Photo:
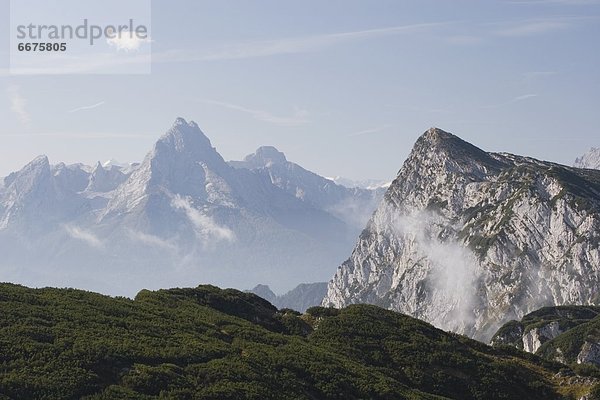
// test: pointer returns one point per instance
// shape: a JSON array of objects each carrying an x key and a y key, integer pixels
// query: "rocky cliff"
[{"x": 468, "y": 240}]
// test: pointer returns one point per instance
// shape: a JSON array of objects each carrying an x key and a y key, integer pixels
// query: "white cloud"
[
  {"x": 151, "y": 240},
  {"x": 18, "y": 104},
  {"x": 449, "y": 267},
  {"x": 523, "y": 97},
  {"x": 127, "y": 42},
  {"x": 91, "y": 107},
  {"x": 83, "y": 235},
  {"x": 299, "y": 117},
  {"x": 206, "y": 229}
]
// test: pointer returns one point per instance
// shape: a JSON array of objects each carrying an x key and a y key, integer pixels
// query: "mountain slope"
[
  {"x": 468, "y": 240},
  {"x": 352, "y": 205},
  {"x": 207, "y": 343}
]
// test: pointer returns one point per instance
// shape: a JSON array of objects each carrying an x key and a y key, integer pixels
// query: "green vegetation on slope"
[
  {"x": 207, "y": 343},
  {"x": 567, "y": 318}
]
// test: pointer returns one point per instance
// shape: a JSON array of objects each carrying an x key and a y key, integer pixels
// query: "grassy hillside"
[{"x": 208, "y": 343}]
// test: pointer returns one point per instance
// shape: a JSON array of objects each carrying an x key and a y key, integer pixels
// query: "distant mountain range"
[
  {"x": 182, "y": 216},
  {"x": 468, "y": 240},
  {"x": 300, "y": 298}
]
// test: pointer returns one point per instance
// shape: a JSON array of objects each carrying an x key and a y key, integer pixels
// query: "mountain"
[
  {"x": 106, "y": 178},
  {"x": 183, "y": 215},
  {"x": 208, "y": 343},
  {"x": 590, "y": 160},
  {"x": 302, "y": 297},
  {"x": 370, "y": 184},
  {"x": 40, "y": 194},
  {"x": 352, "y": 205},
  {"x": 468, "y": 240}
]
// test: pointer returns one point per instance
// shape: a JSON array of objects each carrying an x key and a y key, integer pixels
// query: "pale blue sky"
[{"x": 342, "y": 87}]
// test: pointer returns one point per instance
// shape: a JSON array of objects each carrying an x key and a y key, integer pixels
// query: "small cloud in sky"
[
  {"x": 523, "y": 97},
  {"x": 90, "y": 107},
  {"x": 83, "y": 235},
  {"x": 513, "y": 100},
  {"x": 299, "y": 117},
  {"x": 127, "y": 42},
  {"x": 371, "y": 131},
  {"x": 18, "y": 104}
]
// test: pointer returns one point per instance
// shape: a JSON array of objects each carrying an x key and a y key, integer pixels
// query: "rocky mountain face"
[
  {"x": 590, "y": 160},
  {"x": 468, "y": 240},
  {"x": 182, "y": 216},
  {"x": 353, "y": 205},
  {"x": 300, "y": 298},
  {"x": 567, "y": 334}
]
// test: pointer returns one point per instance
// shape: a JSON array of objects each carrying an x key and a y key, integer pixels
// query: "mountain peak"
[
  {"x": 183, "y": 134},
  {"x": 265, "y": 156},
  {"x": 437, "y": 141},
  {"x": 39, "y": 166},
  {"x": 41, "y": 160},
  {"x": 437, "y": 137}
]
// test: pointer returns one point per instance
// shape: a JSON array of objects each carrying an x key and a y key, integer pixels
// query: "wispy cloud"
[
  {"x": 151, "y": 240},
  {"x": 90, "y": 107},
  {"x": 310, "y": 43},
  {"x": 83, "y": 235},
  {"x": 516, "y": 99},
  {"x": 299, "y": 117},
  {"x": 206, "y": 228},
  {"x": 371, "y": 131},
  {"x": 18, "y": 104},
  {"x": 534, "y": 27}
]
